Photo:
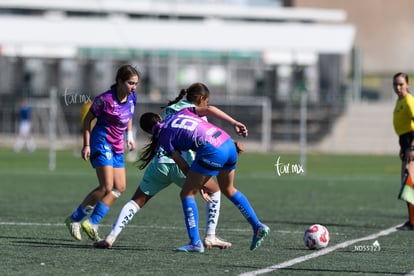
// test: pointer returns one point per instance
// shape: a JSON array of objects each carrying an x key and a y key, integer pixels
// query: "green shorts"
[{"x": 158, "y": 176}]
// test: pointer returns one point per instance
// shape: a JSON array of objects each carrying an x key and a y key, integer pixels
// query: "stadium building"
[{"x": 257, "y": 57}]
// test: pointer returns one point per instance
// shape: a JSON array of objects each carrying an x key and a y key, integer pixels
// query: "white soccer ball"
[{"x": 316, "y": 237}]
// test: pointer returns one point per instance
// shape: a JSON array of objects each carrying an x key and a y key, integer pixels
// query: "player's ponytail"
[
  {"x": 150, "y": 123},
  {"x": 177, "y": 99},
  {"x": 193, "y": 94}
]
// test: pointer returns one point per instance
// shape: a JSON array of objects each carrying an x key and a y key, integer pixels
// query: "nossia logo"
[{"x": 375, "y": 247}]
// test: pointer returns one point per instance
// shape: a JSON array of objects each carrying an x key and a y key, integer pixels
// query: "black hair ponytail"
[
  {"x": 147, "y": 121},
  {"x": 149, "y": 152},
  {"x": 180, "y": 96}
]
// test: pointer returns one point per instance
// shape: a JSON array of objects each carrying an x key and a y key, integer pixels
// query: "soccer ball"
[{"x": 316, "y": 237}]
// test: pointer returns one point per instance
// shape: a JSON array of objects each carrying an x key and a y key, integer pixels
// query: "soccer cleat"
[
  {"x": 198, "y": 248},
  {"x": 102, "y": 244},
  {"x": 105, "y": 243},
  {"x": 406, "y": 226},
  {"x": 74, "y": 228},
  {"x": 211, "y": 241},
  {"x": 259, "y": 234},
  {"x": 90, "y": 229}
]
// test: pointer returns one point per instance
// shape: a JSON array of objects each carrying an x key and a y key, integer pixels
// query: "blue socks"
[
  {"x": 99, "y": 212},
  {"x": 79, "y": 214},
  {"x": 242, "y": 203},
  {"x": 191, "y": 218},
  {"x": 191, "y": 214}
]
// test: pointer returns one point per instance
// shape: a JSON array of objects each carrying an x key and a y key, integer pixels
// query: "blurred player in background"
[
  {"x": 404, "y": 127},
  {"x": 216, "y": 155},
  {"x": 162, "y": 172},
  {"x": 83, "y": 111},
  {"x": 24, "y": 136},
  {"x": 104, "y": 147}
]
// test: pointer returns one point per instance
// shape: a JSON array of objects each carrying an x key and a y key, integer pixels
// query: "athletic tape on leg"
[{"x": 116, "y": 193}]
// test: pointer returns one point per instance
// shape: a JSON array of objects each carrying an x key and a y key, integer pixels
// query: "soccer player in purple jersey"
[
  {"x": 104, "y": 147},
  {"x": 216, "y": 155}
]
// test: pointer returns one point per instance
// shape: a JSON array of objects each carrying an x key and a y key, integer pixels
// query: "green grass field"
[{"x": 354, "y": 196}]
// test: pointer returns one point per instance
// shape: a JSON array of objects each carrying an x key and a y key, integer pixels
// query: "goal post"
[{"x": 53, "y": 104}]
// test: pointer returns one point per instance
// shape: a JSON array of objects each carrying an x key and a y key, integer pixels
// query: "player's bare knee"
[
  {"x": 186, "y": 193},
  {"x": 229, "y": 191},
  {"x": 101, "y": 191}
]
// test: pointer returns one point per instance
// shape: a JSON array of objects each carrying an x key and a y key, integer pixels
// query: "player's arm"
[
  {"x": 180, "y": 161},
  {"x": 410, "y": 104},
  {"x": 30, "y": 115},
  {"x": 239, "y": 146},
  {"x": 130, "y": 136},
  {"x": 86, "y": 150},
  {"x": 239, "y": 127}
]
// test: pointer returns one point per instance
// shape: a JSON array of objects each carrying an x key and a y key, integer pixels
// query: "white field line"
[
  {"x": 319, "y": 253},
  {"x": 247, "y": 229},
  {"x": 10, "y": 223},
  {"x": 411, "y": 273}
]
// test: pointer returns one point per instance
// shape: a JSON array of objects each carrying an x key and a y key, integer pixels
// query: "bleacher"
[
  {"x": 284, "y": 122},
  {"x": 365, "y": 127}
]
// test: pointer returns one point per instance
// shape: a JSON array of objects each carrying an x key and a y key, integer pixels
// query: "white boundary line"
[
  {"x": 319, "y": 253},
  {"x": 10, "y": 223}
]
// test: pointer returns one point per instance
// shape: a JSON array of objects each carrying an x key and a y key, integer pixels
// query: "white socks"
[
  {"x": 213, "y": 213},
  {"x": 124, "y": 217},
  {"x": 131, "y": 208}
]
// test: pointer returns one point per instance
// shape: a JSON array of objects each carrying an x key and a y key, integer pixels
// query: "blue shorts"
[
  {"x": 158, "y": 176},
  {"x": 210, "y": 160},
  {"x": 103, "y": 155}
]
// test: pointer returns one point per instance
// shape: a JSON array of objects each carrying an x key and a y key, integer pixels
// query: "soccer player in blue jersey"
[
  {"x": 104, "y": 147},
  {"x": 216, "y": 155},
  {"x": 25, "y": 128},
  {"x": 162, "y": 172}
]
